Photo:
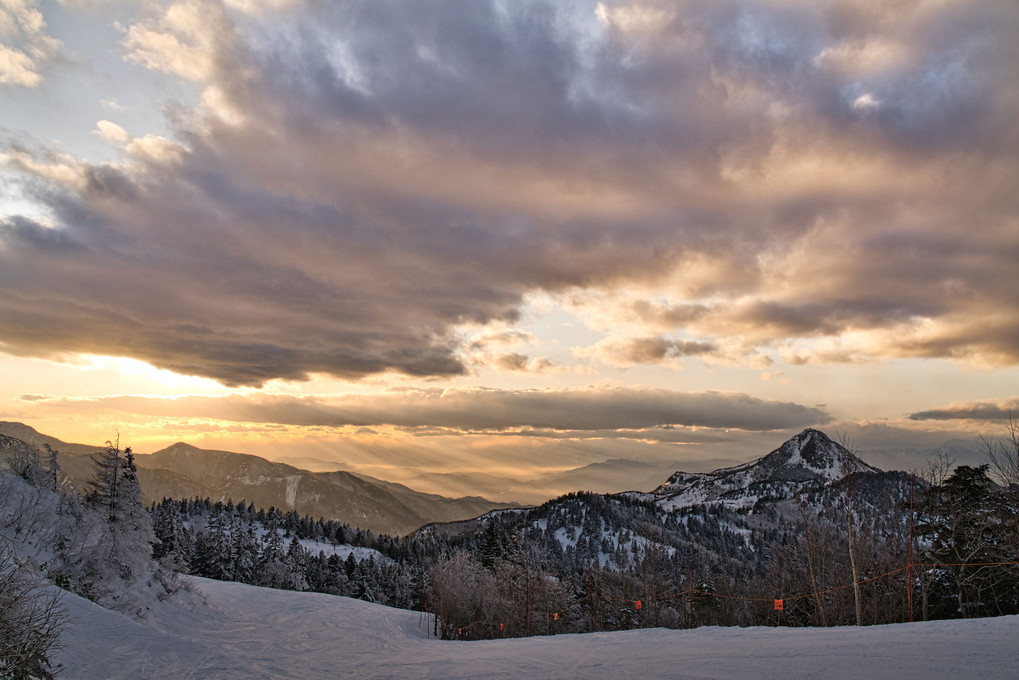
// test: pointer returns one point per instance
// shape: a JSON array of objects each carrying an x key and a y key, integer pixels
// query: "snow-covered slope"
[
  {"x": 250, "y": 633},
  {"x": 809, "y": 460}
]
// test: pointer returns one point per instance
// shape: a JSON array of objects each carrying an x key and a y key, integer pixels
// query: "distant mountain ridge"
[
  {"x": 809, "y": 467},
  {"x": 184, "y": 471}
]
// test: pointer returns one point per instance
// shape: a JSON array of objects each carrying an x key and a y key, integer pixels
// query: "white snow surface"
[
  {"x": 342, "y": 550},
  {"x": 248, "y": 632},
  {"x": 360, "y": 553}
]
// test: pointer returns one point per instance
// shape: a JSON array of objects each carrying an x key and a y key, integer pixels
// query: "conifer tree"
[
  {"x": 53, "y": 468},
  {"x": 105, "y": 484},
  {"x": 125, "y": 543}
]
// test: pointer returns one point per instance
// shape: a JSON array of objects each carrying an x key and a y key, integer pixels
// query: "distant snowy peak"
[
  {"x": 810, "y": 458},
  {"x": 814, "y": 454}
]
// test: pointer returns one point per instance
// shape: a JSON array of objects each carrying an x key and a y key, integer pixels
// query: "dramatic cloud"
[
  {"x": 487, "y": 410},
  {"x": 25, "y": 46},
  {"x": 997, "y": 409},
  {"x": 362, "y": 180},
  {"x": 645, "y": 350}
]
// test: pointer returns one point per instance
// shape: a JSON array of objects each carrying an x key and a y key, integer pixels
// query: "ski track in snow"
[{"x": 246, "y": 632}]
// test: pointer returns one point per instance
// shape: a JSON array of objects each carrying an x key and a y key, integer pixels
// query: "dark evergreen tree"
[{"x": 105, "y": 484}]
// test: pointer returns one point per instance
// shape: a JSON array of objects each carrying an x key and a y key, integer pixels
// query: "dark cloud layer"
[
  {"x": 487, "y": 410},
  {"x": 1003, "y": 409},
  {"x": 372, "y": 174}
]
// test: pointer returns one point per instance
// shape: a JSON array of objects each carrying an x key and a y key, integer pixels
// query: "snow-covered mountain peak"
[
  {"x": 812, "y": 455},
  {"x": 810, "y": 458}
]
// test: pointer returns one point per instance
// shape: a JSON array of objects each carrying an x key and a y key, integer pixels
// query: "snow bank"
[{"x": 247, "y": 632}]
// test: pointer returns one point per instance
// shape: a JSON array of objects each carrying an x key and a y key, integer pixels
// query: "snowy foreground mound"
[{"x": 248, "y": 632}]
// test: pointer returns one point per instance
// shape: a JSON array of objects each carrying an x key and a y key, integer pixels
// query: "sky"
[{"x": 506, "y": 238}]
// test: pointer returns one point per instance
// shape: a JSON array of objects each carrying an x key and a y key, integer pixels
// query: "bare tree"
[
  {"x": 652, "y": 576},
  {"x": 1003, "y": 455},
  {"x": 852, "y": 564},
  {"x": 463, "y": 595},
  {"x": 31, "y": 620},
  {"x": 928, "y": 513},
  {"x": 21, "y": 459},
  {"x": 848, "y": 444},
  {"x": 815, "y": 558}
]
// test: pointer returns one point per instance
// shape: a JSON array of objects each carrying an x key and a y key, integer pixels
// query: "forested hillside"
[
  {"x": 834, "y": 547},
  {"x": 183, "y": 472}
]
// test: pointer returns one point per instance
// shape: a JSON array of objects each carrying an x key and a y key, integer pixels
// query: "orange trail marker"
[
  {"x": 637, "y": 604},
  {"x": 779, "y": 605}
]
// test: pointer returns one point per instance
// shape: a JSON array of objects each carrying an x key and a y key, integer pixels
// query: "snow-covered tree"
[
  {"x": 21, "y": 459},
  {"x": 31, "y": 620},
  {"x": 52, "y": 467}
]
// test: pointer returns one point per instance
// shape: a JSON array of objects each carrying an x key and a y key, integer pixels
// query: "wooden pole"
[
  {"x": 852, "y": 565},
  {"x": 693, "y": 562},
  {"x": 909, "y": 564}
]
